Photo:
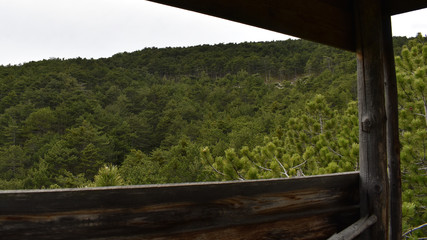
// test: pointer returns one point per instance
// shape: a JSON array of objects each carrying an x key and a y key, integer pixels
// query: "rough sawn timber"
[
  {"x": 372, "y": 64},
  {"x": 300, "y": 208},
  {"x": 393, "y": 143}
]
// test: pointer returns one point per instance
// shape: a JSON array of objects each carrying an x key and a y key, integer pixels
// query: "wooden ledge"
[{"x": 315, "y": 207}]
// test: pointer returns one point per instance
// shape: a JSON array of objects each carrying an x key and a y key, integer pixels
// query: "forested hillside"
[
  {"x": 61, "y": 120},
  {"x": 222, "y": 112}
]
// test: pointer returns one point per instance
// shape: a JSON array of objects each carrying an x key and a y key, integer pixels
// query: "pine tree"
[
  {"x": 12, "y": 162},
  {"x": 411, "y": 69},
  {"x": 317, "y": 141},
  {"x": 108, "y": 176},
  {"x": 138, "y": 168}
]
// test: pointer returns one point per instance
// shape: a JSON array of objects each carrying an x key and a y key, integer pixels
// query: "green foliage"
[
  {"x": 40, "y": 121},
  {"x": 13, "y": 162},
  {"x": 318, "y": 141},
  {"x": 39, "y": 176},
  {"x": 108, "y": 176},
  {"x": 138, "y": 168},
  {"x": 224, "y": 112},
  {"x": 81, "y": 150},
  {"x": 411, "y": 70}
]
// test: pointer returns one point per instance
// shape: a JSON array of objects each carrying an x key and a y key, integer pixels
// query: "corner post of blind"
[{"x": 371, "y": 61}]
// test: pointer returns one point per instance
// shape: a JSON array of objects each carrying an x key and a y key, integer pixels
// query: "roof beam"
[
  {"x": 329, "y": 22},
  {"x": 325, "y": 21},
  {"x": 403, "y": 6}
]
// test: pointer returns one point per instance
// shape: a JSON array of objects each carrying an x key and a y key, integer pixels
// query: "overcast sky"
[{"x": 32, "y": 30}]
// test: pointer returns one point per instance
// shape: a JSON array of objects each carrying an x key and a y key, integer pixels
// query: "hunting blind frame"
[{"x": 301, "y": 208}]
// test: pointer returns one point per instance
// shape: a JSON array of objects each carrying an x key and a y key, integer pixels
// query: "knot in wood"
[
  {"x": 378, "y": 189},
  {"x": 366, "y": 125}
]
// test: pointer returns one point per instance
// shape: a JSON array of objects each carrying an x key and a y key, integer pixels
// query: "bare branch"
[
  {"x": 299, "y": 165},
  {"x": 335, "y": 152},
  {"x": 259, "y": 166},
  {"x": 216, "y": 170},
  {"x": 211, "y": 165},
  {"x": 419, "y": 114},
  {"x": 414, "y": 229},
  {"x": 281, "y": 165},
  {"x": 238, "y": 174}
]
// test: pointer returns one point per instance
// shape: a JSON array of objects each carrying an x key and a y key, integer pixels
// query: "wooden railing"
[{"x": 297, "y": 208}]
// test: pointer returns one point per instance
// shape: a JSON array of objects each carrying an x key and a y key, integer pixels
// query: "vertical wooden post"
[
  {"x": 393, "y": 144},
  {"x": 372, "y": 116}
]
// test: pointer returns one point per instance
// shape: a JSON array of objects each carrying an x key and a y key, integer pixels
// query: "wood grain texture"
[
  {"x": 393, "y": 143},
  {"x": 374, "y": 186},
  {"x": 301, "y": 208}
]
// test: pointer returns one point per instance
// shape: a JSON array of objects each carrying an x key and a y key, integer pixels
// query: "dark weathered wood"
[
  {"x": 300, "y": 208},
  {"x": 324, "y": 21},
  {"x": 402, "y": 6},
  {"x": 393, "y": 144},
  {"x": 372, "y": 116},
  {"x": 329, "y": 22},
  {"x": 354, "y": 230}
]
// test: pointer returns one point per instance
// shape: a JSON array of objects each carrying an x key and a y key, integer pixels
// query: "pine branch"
[
  {"x": 241, "y": 178},
  {"x": 413, "y": 91},
  {"x": 335, "y": 152},
  {"x": 217, "y": 170},
  {"x": 414, "y": 229},
  {"x": 299, "y": 165},
  {"x": 321, "y": 123},
  {"x": 259, "y": 166},
  {"x": 283, "y": 167},
  {"x": 419, "y": 114},
  {"x": 211, "y": 165},
  {"x": 408, "y": 96}
]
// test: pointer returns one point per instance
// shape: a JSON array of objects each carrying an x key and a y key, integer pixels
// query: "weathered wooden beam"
[
  {"x": 355, "y": 229},
  {"x": 371, "y": 58},
  {"x": 300, "y": 208},
  {"x": 325, "y": 21},
  {"x": 329, "y": 22},
  {"x": 403, "y": 6},
  {"x": 393, "y": 143}
]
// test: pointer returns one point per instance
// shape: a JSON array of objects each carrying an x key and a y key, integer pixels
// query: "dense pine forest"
[{"x": 204, "y": 113}]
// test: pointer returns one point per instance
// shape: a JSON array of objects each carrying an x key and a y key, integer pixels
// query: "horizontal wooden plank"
[{"x": 310, "y": 208}]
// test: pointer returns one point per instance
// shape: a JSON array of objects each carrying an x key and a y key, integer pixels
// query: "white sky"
[{"x": 32, "y": 30}]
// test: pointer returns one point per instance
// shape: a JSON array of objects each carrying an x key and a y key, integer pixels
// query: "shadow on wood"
[{"x": 299, "y": 208}]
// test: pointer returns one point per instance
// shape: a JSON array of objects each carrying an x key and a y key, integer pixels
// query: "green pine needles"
[
  {"x": 317, "y": 141},
  {"x": 411, "y": 70}
]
